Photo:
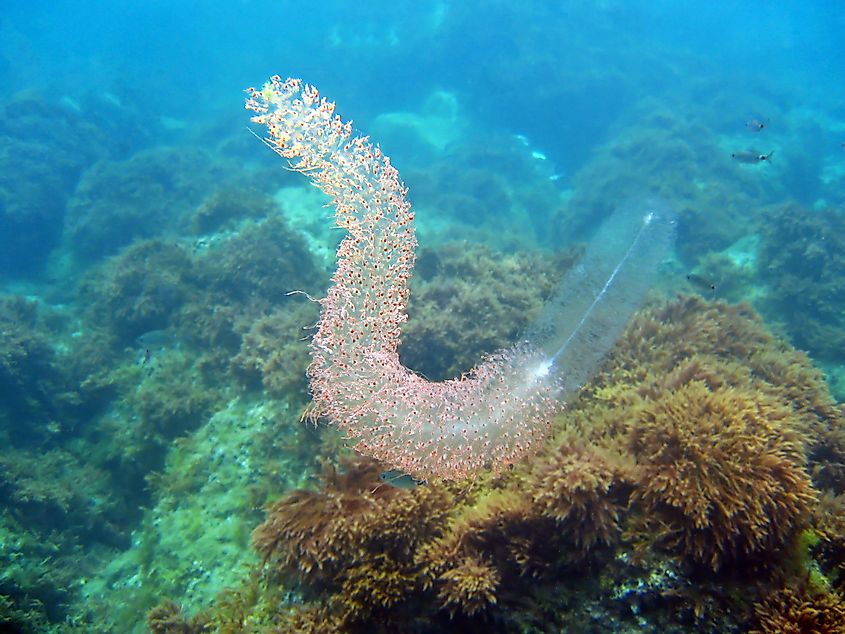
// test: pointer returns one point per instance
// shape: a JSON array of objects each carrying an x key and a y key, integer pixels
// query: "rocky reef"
[{"x": 694, "y": 483}]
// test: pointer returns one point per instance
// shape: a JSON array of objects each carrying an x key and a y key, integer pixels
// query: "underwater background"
[{"x": 155, "y": 474}]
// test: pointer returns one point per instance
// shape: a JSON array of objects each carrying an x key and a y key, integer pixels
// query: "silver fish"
[
  {"x": 751, "y": 156},
  {"x": 399, "y": 479},
  {"x": 755, "y": 125},
  {"x": 702, "y": 283},
  {"x": 157, "y": 340}
]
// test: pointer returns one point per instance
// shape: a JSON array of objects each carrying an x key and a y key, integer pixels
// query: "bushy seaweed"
[
  {"x": 46, "y": 147},
  {"x": 469, "y": 301},
  {"x": 804, "y": 252},
  {"x": 684, "y": 469},
  {"x": 151, "y": 194}
]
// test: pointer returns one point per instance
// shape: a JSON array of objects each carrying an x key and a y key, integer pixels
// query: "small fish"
[
  {"x": 156, "y": 340},
  {"x": 701, "y": 283},
  {"x": 399, "y": 479},
  {"x": 544, "y": 165},
  {"x": 751, "y": 156},
  {"x": 755, "y": 125}
]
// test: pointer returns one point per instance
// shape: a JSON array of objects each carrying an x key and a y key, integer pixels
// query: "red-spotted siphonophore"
[{"x": 492, "y": 416}]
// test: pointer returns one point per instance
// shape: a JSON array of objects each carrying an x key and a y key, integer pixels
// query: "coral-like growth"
[
  {"x": 728, "y": 426},
  {"x": 139, "y": 290},
  {"x": 309, "y": 619},
  {"x": 788, "y": 611},
  {"x": 45, "y": 149},
  {"x": 172, "y": 399},
  {"x": 500, "y": 526},
  {"x": 40, "y": 565},
  {"x": 143, "y": 197},
  {"x": 379, "y": 550},
  {"x": 468, "y": 301},
  {"x": 306, "y": 531},
  {"x": 317, "y": 533},
  {"x": 723, "y": 345},
  {"x": 470, "y": 586},
  {"x": 829, "y": 521},
  {"x": 55, "y": 484},
  {"x": 373, "y": 587},
  {"x": 585, "y": 491},
  {"x": 46, "y": 387},
  {"x": 30, "y": 380},
  {"x": 258, "y": 265},
  {"x": 356, "y": 536},
  {"x": 721, "y": 473},
  {"x": 237, "y": 301},
  {"x": 273, "y": 354},
  {"x": 804, "y": 254},
  {"x": 691, "y": 446},
  {"x": 229, "y": 206},
  {"x": 167, "y": 618}
]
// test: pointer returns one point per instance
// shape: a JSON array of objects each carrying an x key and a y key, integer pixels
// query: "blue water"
[{"x": 148, "y": 241}]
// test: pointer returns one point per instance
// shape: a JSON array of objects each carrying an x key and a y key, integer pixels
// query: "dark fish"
[
  {"x": 755, "y": 125},
  {"x": 701, "y": 283},
  {"x": 399, "y": 479},
  {"x": 751, "y": 156}
]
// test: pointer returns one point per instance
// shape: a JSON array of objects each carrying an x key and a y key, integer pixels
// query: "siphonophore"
[
  {"x": 587, "y": 312},
  {"x": 498, "y": 412}
]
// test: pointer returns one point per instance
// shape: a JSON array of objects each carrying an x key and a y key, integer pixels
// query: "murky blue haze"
[{"x": 152, "y": 360}]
